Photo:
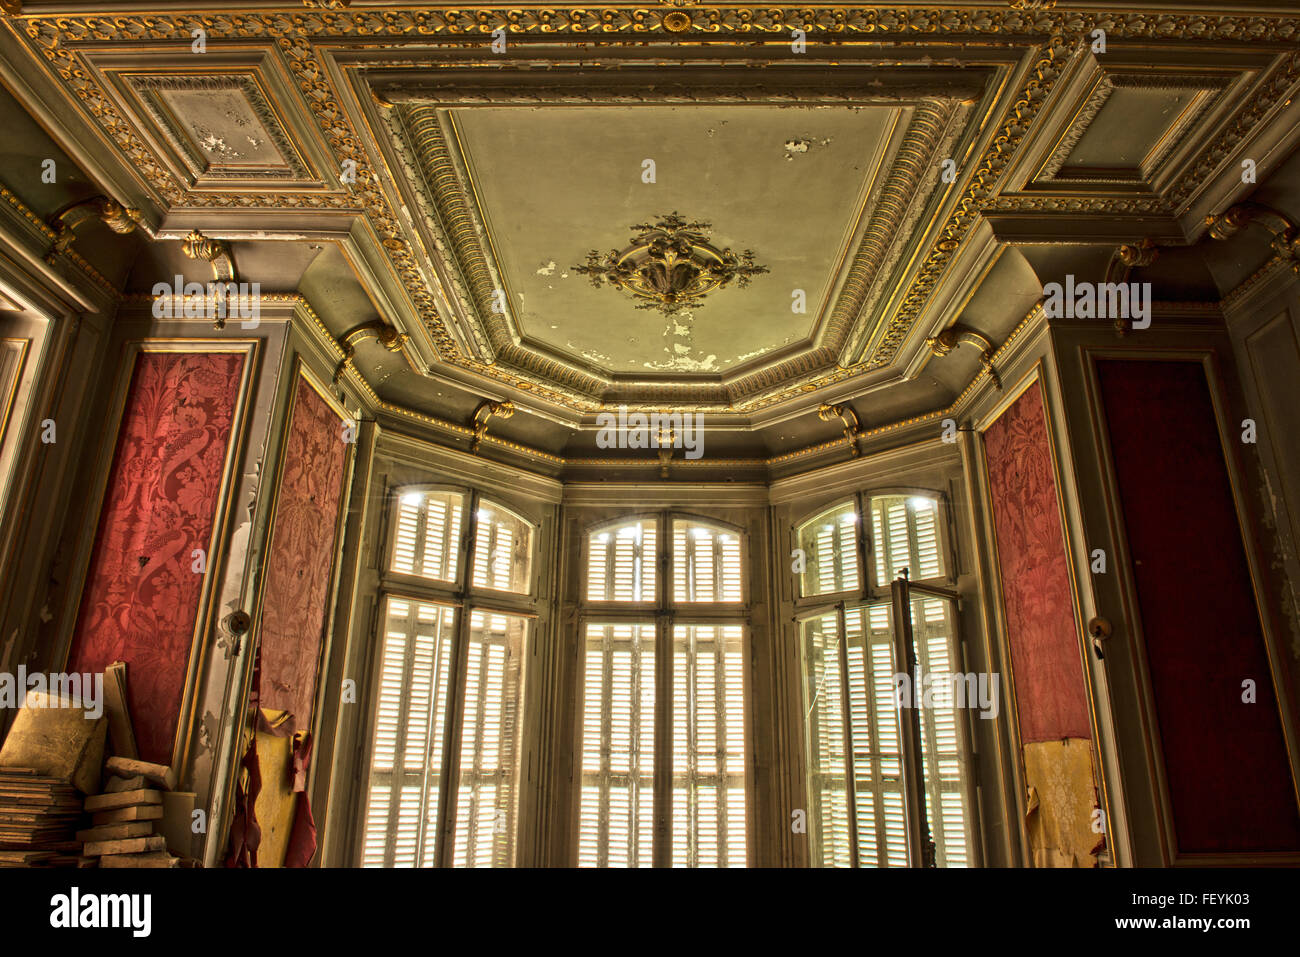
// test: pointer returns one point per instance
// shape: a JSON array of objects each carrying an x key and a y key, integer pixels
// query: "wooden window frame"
[
  {"x": 465, "y": 599},
  {"x": 867, "y": 595},
  {"x": 665, "y": 613}
]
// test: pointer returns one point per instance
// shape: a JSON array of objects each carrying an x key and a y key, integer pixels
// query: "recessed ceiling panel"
[{"x": 787, "y": 184}]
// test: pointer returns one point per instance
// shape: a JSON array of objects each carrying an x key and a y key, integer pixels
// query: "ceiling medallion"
[{"x": 670, "y": 265}]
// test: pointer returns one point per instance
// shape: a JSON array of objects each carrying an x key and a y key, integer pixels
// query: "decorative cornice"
[
  {"x": 299, "y": 32},
  {"x": 617, "y": 20}
]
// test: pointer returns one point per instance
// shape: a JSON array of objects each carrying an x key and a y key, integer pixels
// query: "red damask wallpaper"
[
  {"x": 142, "y": 593},
  {"x": 1035, "y": 579},
  {"x": 295, "y": 603}
]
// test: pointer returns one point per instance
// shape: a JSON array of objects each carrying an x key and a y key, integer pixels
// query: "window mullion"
[{"x": 456, "y": 694}]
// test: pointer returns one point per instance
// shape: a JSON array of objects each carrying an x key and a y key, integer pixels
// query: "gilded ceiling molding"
[
  {"x": 720, "y": 21},
  {"x": 1079, "y": 204},
  {"x": 899, "y": 206},
  {"x": 953, "y": 409},
  {"x": 995, "y": 159},
  {"x": 1262, "y": 100},
  {"x": 1106, "y": 84},
  {"x": 417, "y": 135},
  {"x": 1243, "y": 288},
  {"x": 50, "y": 234},
  {"x": 57, "y": 38},
  {"x": 1078, "y": 126},
  {"x": 422, "y": 144}
]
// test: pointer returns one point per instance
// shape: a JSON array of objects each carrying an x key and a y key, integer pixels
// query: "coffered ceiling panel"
[
  {"x": 221, "y": 122},
  {"x": 790, "y": 185}
]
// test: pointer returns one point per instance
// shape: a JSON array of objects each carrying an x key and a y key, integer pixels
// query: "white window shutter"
[
  {"x": 708, "y": 746},
  {"x": 407, "y": 745},
  {"x": 486, "y": 791},
  {"x": 616, "y": 809}
]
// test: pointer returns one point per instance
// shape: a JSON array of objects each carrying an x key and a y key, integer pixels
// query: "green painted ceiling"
[{"x": 788, "y": 183}]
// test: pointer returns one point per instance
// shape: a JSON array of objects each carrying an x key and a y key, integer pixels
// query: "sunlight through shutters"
[{"x": 616, "y": 812}]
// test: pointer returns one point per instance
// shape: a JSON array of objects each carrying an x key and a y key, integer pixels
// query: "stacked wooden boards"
[
  {"x": 127, "y": 817},
  {"x": 38, "y": 815}
]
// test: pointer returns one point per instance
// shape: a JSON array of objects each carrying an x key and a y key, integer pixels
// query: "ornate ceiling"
[{"x": 440, "y": 172}]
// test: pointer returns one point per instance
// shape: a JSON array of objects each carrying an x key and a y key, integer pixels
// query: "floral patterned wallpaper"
[
  {"x": 142, "y": 590},
  {"x": 296, "y": 600},
  {"x": 1035, "y": 580}
]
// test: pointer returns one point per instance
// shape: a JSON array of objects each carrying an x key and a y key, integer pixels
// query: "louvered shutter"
[
  {"x": 906, "y": 535},
  {"x": 401, "y": 814},
  {"x": 830, "y": 546},
  {"x": 880, "y": 814},
  {"x": 933, "y": 630},
  {"x": 706, "y": 563},
  {"x": 426, "y": 537},
  {"x": 616, "y": 809},
  {"x": 708, "y": 746},
  {"x": 828, "y": 814},
  {"x": 486, "y": 791},
  {"x": 621, "y": 562},
  {"x": 502, "y": 550},
  {"x": 877, "y": 762}
]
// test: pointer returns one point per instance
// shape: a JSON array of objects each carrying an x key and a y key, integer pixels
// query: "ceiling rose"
[{"x": 670, "y": 265}]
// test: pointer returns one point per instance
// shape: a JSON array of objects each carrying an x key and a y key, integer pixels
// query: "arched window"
[
  {"x": 706, "y": 562},
  {"x": 426, "y": 534},
  {"x": 445, "y": 734},
  {"x": 640, "y": 668},
  {"x": 829, "y": 546},
  {"x": 853, "y": 725},
  {"x": 621, "y": 559}
]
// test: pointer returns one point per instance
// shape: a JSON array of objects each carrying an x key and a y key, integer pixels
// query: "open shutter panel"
[
  {"x": 933, "y": 631},
  {"x": 616, "y": 810}
]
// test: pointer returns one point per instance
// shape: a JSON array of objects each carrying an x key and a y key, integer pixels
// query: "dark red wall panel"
[
  {"x": 141, "y": 597},
  {"x": 1041, "y": 627},
  {"x": 296, "y": 601},
  {"x": 1225, "y": 760}
]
